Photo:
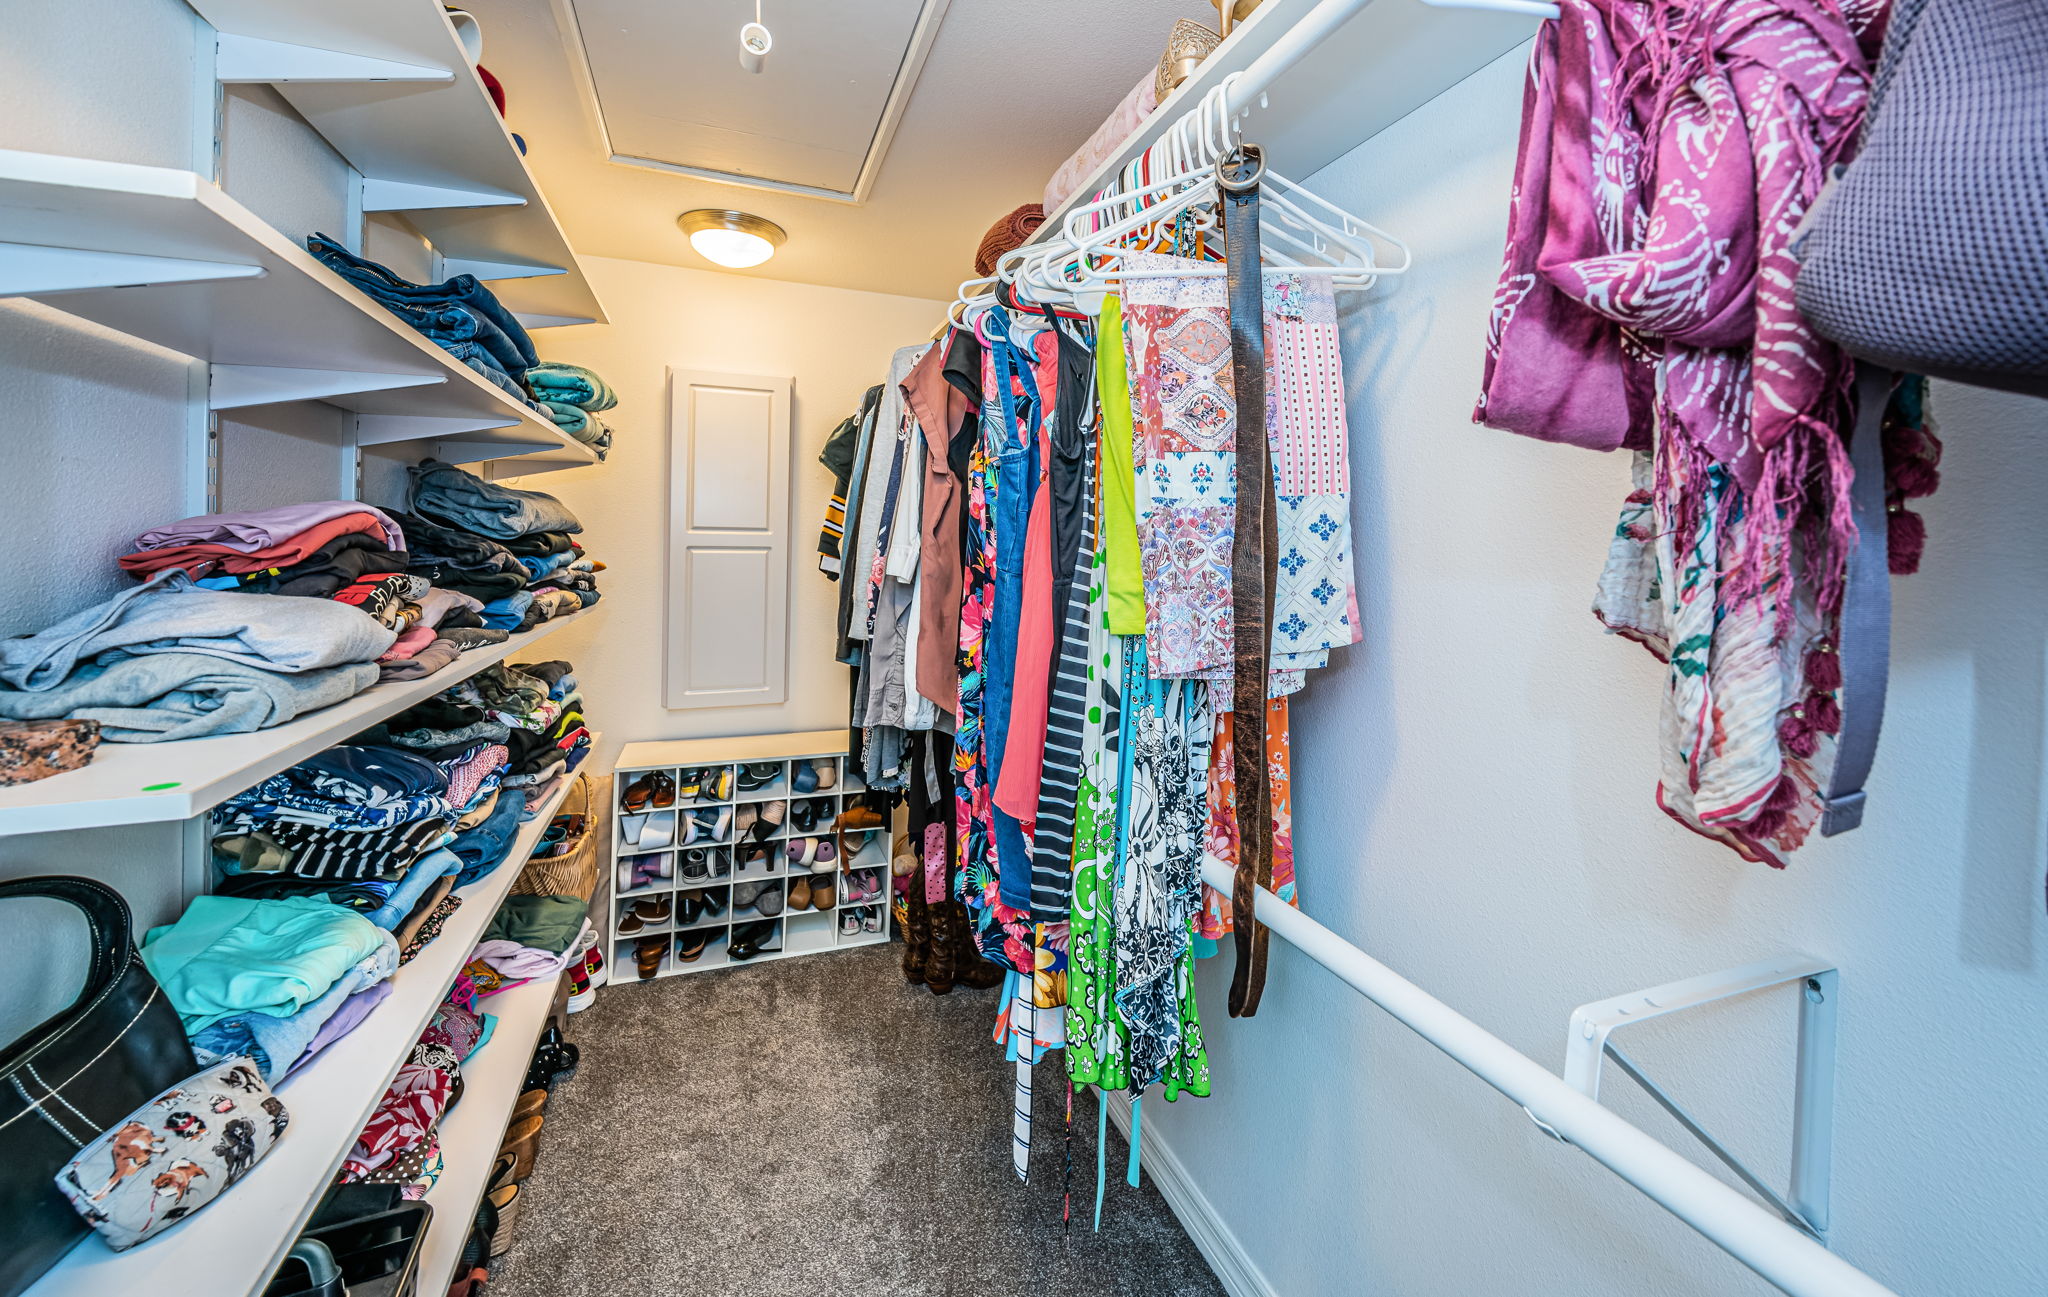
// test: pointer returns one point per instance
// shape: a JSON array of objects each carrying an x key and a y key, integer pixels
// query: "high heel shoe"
[
  {"x": 715, "y": 901},
  {"x": 769, "y": 820}
]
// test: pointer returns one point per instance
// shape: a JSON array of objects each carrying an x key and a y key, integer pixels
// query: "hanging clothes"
[{"x": 1668, "y": 152}]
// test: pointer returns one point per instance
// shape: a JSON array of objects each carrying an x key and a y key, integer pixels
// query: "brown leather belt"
[{"x": 1252, "y": 564}]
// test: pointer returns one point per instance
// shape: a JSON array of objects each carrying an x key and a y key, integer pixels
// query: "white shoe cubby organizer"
[{"x": 689, "y": 864}]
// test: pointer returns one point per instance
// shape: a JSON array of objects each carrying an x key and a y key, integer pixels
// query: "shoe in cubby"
[
  {"x": 756, "y": 781},
  {"x": 695, "y": 905},
  {"x": 751, "y": 940},
  {"x": 708, "y": 784},
  {"x": 812, "y": 855},
  {"x": 706, "y": 826},
  {"x": 652, "y": 791},
  {"x": 752, "y": 860},
  {"x": 647, "y": 872},
  {"x": 699, "y": 946},
  {"x": 809, "y": 815},
  {"x": 757, "y": 900},
  {"x": 647, "y": 830}
]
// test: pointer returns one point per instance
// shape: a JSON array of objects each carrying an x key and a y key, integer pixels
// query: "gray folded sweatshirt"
[
  {"x": 159, "y": 697},
  {"x": 169, "y": 614}
]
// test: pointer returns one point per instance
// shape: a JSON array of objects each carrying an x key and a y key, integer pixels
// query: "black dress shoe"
[
  {"x": 689, "y": 908},
  {"x": 749, "y": 938},
  {"x": 713, "y": 901}
]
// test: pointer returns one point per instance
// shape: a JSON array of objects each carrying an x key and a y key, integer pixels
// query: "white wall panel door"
[{"x": 728, "y": 574}]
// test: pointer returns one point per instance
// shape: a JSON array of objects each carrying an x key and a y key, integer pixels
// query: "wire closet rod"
[{"x": 1781, "y": 1254}]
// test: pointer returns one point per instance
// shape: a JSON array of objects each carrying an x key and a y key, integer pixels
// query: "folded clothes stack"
[
  {"x": 400, "y": 1144},
  {"x": 173, "y": 659},
  {"x": 337, "y": 872},
  {"x": 459, "y": 315},
  {"x": 573, "y": 397},
  {"x": 511, "y": 550}
]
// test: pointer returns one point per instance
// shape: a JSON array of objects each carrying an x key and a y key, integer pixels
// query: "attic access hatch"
[{"x": 668, "y": 94}]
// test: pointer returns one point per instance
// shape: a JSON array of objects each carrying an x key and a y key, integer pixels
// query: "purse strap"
[
  {"x": 106, "y": 914},
  {"x": 1864, "y": 639},
  {"x": 1253, "y": 569},
  {"x": 106, "y": 917}
]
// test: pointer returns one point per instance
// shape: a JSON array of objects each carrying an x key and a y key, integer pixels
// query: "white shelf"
[
  {"x": 492, "y": 1079},
  {"x": 146, "y": 783},
  {"x": 386, "y": 83},
  {"x": 235, "y": 1245},
  {"x": 1389, "y": 59},
  {"x": 167, "y": 257}
]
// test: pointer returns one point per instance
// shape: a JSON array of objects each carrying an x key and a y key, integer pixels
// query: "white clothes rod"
[{"x": 1746, "y": 1231}]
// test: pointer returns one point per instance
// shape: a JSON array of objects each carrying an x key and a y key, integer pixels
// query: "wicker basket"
[{"x": 568, "y": 865}]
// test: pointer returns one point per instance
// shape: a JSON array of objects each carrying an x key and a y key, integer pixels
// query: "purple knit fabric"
[
  {"x": 344, "y": 1020},
  {"x": 262, "y": 528}
]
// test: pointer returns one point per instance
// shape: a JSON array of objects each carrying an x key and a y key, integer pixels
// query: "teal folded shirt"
[
  {"x": 571, "y": 385},
  {"x": 229, "y": 955}
]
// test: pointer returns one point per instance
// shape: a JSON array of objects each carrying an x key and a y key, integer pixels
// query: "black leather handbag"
[{"x": 118, "y": 1046}]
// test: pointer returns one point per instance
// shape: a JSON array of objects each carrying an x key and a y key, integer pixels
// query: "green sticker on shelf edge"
[{"x": 157, "y": 788}]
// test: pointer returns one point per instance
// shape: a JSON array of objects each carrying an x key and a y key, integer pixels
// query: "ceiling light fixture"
[
  {"x": 755, "y": 42},
  {"x": 733, "y": 239}
]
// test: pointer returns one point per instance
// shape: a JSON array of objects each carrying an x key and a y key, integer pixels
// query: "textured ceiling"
[{"x": 1008, "y": 91}]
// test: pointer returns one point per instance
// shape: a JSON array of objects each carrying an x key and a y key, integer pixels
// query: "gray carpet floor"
[{"x": 818, "y": 1126}]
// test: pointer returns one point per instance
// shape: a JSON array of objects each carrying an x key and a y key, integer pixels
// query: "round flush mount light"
[{"x": 736, "y": 240}]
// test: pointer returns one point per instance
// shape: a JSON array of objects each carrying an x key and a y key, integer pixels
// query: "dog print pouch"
[{"x": 175, "y": 1154}]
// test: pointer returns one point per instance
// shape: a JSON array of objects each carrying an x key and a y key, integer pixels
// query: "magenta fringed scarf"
[{"x": 1668, "y": 150}]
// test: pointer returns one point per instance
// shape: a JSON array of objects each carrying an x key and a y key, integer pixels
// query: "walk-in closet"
[{"x": 1126, "y": 648}]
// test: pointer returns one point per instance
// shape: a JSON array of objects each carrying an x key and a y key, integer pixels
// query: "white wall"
[
  {"x": 1473, "y": 806},
  {"x": 836, "y": 343},
  {"x": 93, "y": 448}
]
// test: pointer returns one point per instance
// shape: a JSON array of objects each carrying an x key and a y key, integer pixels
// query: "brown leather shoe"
[
  {"x": 800, "y": 893},
  {"x": 647, "y": 955},
  {"x": 522, "y": 1141}
]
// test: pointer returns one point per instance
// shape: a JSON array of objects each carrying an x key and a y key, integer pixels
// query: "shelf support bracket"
[
  {"x": 236, "y": 387},
  {"x": 497, "y": 269},
  {"x": 552, "y": 321},
  {"x": 1813, "y": 1101},
  {"x": 383, "y": 429},
  {"x": 251, "y": 59},
  {"x": 35, "y": 270},
  {"x": 470, "y": 452},
  {"x": 404, "y": 196}
]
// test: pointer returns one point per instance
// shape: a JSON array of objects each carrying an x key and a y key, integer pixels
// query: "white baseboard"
[{"x": 1218, "y": 1246}]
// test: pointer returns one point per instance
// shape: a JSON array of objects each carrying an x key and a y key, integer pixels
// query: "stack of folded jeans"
[
  {"x": 459, "y": 315},
  {"x": 512, "y": 550},
  {"x": 573, "y": 397}
]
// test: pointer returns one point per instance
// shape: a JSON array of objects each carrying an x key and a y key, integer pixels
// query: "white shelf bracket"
[
  {"x": 236, "y": 387},
  {"x": 383, "y": 429},
  {"x": 34, "y": 270},
  {"x": 404, "y": 196},
  {"x": 1591, "y": 1043},
  {"x": 496, "y": 269},
  {"x": 471, "y": 452},
  {"x": 552, "y": 321},
  {"x": 242, "y": 59}
]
